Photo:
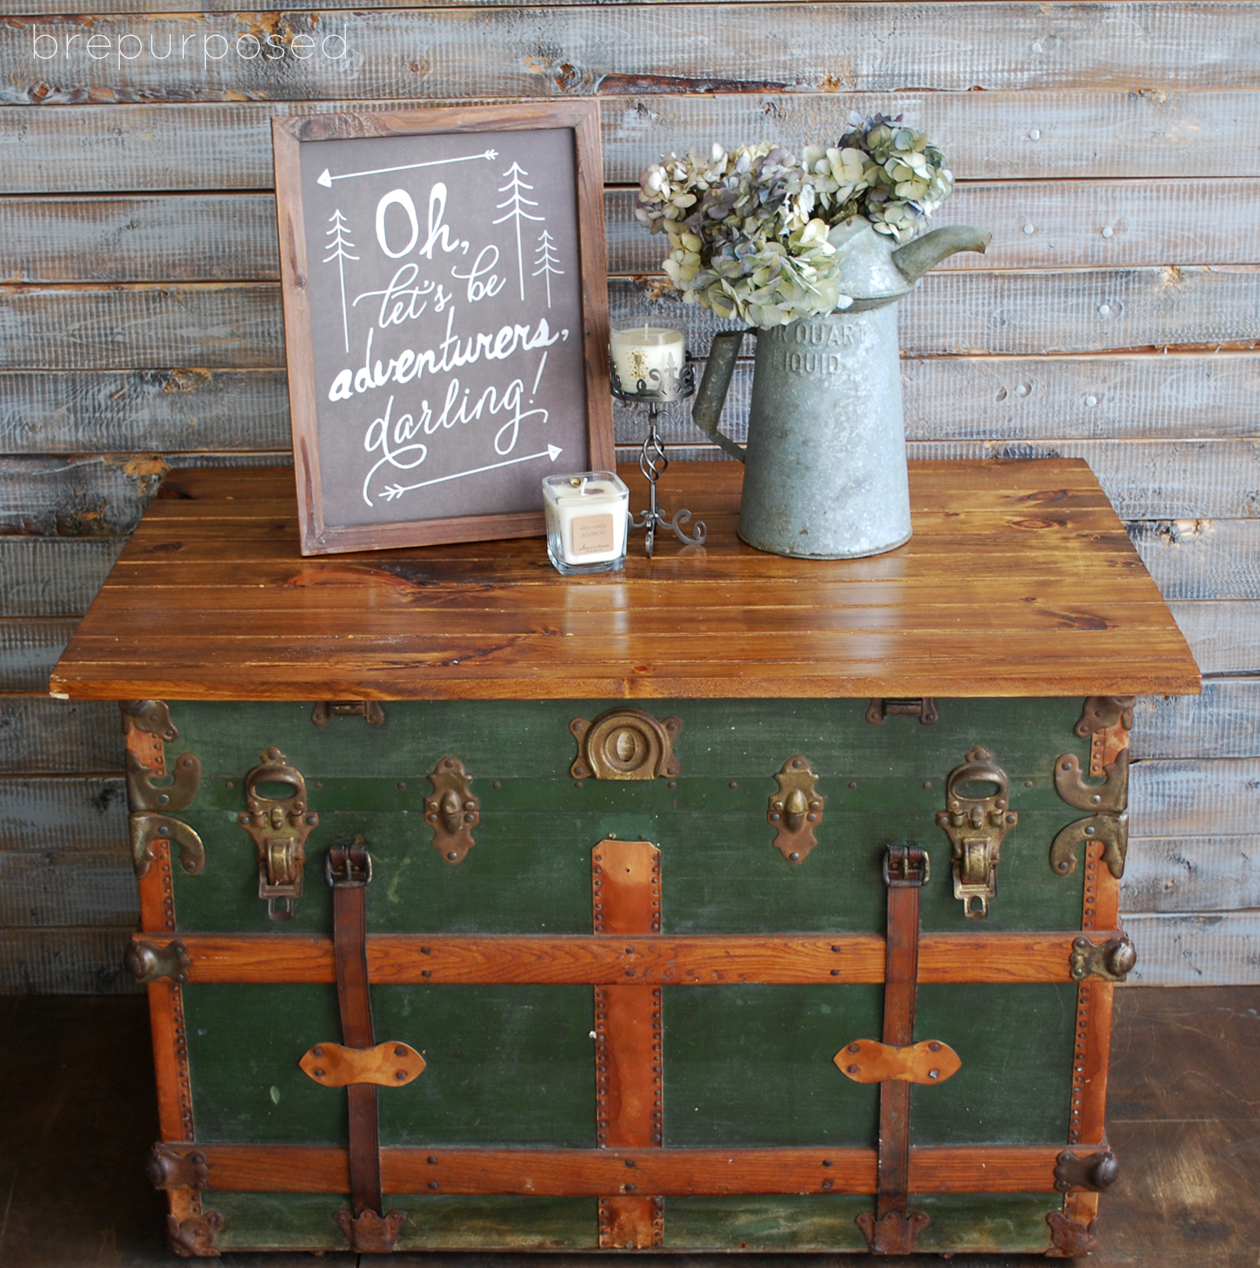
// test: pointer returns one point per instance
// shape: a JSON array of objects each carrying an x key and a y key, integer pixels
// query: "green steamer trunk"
[{"x": 628, "y": 974}]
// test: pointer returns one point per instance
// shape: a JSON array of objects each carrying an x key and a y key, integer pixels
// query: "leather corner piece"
[
  {"x": 194, "y": 1238},
  {"x": 1071, "y": 1238},
  {"x": 631, "y": 1223},
  {"x": 169, "y": 1168},
  {"x": 390, "y": 1064},
  {"x": 369, "y": 1233},
  {"x": 926, "y": 1063},
  {"x": 892, "y": 1234}
]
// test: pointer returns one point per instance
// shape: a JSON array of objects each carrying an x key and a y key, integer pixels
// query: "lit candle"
[
  {"x": 651, "y": 352},
  {"x": 586, "y": 521}
]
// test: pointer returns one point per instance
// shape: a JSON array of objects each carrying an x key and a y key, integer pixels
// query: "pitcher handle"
[{"x": 714, "y": 385}]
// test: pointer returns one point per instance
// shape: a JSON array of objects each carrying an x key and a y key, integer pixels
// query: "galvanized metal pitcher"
[{"x": 826, "y": 457}]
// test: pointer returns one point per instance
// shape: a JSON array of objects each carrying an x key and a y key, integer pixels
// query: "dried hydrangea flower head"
[{"x": 749, "y": 228}]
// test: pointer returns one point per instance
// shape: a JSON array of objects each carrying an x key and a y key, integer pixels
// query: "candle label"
[{"x": 592, "y": 533}]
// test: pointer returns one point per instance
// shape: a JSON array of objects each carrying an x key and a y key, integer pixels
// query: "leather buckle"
[{"x": 348, "y": 869}]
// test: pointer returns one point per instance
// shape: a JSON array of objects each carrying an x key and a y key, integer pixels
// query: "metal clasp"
[
  {"x": 907, "y": 865},
  {"x": 975, "y": 827},
  {"x": 348, "y": 868},
  {"x": 279, "y": 827}
]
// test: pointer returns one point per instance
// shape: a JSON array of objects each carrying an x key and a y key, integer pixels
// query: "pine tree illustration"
[
  {"x": 515, "y": 205},
  {"x": 547, "y": 261},
  {"x": 339, "y": 252}
]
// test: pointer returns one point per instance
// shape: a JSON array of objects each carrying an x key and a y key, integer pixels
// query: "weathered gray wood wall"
[{"x": 1111, "y": 147}]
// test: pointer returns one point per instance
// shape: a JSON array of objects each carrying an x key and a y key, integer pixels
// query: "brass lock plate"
[
  {"x": 279, "y": 827},
  {"x": 976, "y": 823},
  {"x": 625, "y": 744},
  {"x": 452, "y": 810},
  {"x": 795, "y": 810}
]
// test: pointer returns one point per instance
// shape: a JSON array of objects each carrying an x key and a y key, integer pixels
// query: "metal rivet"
[
  {"x": 453, "y": 855},
  {"x": 673, "y": 783},
  {"x": 1107, "y": 231},
  {"x": 934, "y": 1074},
  {"x": 826, "y": 1162},
  {"x": 1104, "y": 310},
  {"x": 835, "y": 972},
  {"x": 733, "y": 784},
  {"x": 400, "y": 1051},
  {"x": 319, "y": 1074},
  {"x": 426, "y": 972},
  {"x": 1034, "y": 135},
  {"x": 852, "y": 784},
  {"x": 855, "y": 1047},
  {"x": 1029, "y": 228},
  {"x": 432, "y": 1161},
  {"x": 853, "y": 1069},
  {"x": 934, "y": 1046},
  {"x": 794, "y": 857},
  {"x": 317, "y": 1052},
  {"x": 401, "y": 784},
  {"x": 433, "y": 1184},
  {"x": 1091, "y": 401},
  {"x": 400, "y": 1075}
]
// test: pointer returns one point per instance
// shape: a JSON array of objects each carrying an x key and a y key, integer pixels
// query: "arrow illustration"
[
  {"x": 326, "y": 178},
  {"x": 393, "y": 491}
]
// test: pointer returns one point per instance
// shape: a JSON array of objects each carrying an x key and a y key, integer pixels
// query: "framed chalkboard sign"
[{"x": 445, "y": 318}]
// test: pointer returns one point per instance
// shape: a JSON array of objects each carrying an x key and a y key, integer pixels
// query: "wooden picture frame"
[{"x": 417, "y": 331}]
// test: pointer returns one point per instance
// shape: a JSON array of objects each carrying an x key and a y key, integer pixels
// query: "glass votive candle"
[
  {"x": 649, "y": 355},
  {"x": 587, "y": 515}
]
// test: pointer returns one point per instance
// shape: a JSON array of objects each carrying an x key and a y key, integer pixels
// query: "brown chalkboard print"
[{"x": 445, "y": 318}]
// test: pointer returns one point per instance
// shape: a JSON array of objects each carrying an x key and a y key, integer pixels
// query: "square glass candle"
[{"x": 587, "y": 516}]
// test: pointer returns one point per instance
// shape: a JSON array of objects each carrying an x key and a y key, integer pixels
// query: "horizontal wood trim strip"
[
  {"x": 657, "y": 960},
  {"x": 988, "y": 135},
  {"x": 238, "y": 325},
  {"x": 606, "y": 1172},
  {"x": 1122, "y": 396},
  {"x": 1035, "y": 224},
  {"x": 615, "y": 50}
]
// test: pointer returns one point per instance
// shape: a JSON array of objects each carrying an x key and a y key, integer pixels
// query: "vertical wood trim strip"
[
  {"x": 170, "y": 1061},
  {"x": 626, "y": 897}
]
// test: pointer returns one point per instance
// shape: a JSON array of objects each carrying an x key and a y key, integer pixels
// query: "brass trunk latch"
[
  {"x": 975, "y": 826},
  {"x": 625, "y": 744},
  {"x": 371, "y": 711},
  {"x": 279, "y": 827},
  {"x": 1109, "y": 822},
  {"x": 452, "y": 810},
  {"x": 795, "y": 810},
  {"x": 921, "y": 707}
]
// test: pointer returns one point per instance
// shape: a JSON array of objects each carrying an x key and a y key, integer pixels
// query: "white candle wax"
[
  {"x": 586, "y": 518},
  {"x": 638, "y": 351}
]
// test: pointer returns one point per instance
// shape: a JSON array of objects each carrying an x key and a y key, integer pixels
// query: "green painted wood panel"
[{"x": 507, "y": 1065}]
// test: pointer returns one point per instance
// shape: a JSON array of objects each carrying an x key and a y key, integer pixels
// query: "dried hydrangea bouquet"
[{"x": 812, "y": 251}]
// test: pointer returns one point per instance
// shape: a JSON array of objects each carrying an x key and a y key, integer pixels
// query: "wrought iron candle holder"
[{"x": 659, "y": 389}]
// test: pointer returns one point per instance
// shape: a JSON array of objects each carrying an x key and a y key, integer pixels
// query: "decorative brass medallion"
[
  {"x": 279, "y": 827},
  {"x": 795, "y": 810},
  {"x": 1111, "y": 960},
  {"x": 370, "y": 710},
  {"x": 147, "y": 962},
  {"x": 1109, "y": 822},
  {"x": 625, "y": 744},
  {"x": 975, "y": 826},
  {"x": 452, "y": 809}
]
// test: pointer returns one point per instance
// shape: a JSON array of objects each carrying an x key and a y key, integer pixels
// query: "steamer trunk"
[{"x": 686, "y": 971}]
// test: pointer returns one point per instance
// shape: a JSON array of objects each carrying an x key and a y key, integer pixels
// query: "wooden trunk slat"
[
  {"x": 1178, "y": 875},
  {"x": 594, "y": 1173},
  {"x": 988, "y": 136},
  {"x": 658, "y": 960},
  {"x": 1201, "y": 558},
  {"x": 53, "y": 737},
  {"x": 616, "y": 50},
  {"x": 232, "y": 237},
  {"x": 237, "y": 325}
]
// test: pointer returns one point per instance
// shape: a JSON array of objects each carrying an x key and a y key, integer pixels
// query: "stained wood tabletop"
[{"x": 1019, "y": 580}]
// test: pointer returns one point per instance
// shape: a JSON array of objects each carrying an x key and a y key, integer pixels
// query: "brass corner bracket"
[
  {"x": 169, "y": 1168},
  {"x": 1109, "y": 822},
  {"x": 795, "y": 810},
  {"x": 1095, "y": 1172},
  {"x": 153, "y": 717},
  {"x": 370, "y": 1233},
  {"x": 193, "y": 1238},
  {"x": 1106, "y": 722},
  {"x": 146, "y": 829},
  {"x": 452, "y": 810},
  {"x": 625, "y": 744}
]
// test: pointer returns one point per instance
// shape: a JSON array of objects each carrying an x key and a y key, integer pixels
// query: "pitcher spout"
[{"x": 918, "y": 256}]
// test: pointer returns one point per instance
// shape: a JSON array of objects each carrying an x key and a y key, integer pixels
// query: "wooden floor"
[{"x": 78, "y": 1117}]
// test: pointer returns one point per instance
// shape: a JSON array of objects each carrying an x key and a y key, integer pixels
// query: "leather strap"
[
  {"x": 895, "y": 1227},
  {"x": 349, "y": 871}
]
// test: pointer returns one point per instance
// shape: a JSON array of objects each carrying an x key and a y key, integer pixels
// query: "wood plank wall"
[{"x": 1111, "y": 147}]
